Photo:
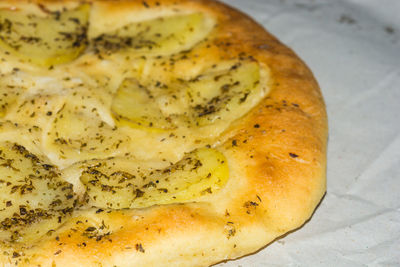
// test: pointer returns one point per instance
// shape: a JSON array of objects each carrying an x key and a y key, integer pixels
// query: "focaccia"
[{"x": 151, "y": 133}]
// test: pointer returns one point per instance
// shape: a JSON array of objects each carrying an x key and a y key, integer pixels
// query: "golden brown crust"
[{"x": 276, "y": 155}]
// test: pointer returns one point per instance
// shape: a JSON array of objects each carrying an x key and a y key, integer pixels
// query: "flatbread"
[{"x": 227, "y": 155}]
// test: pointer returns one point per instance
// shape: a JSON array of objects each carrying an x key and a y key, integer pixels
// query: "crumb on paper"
[
  {"x": 389, "y": 29},
  {"x": 347, "y": 19}
]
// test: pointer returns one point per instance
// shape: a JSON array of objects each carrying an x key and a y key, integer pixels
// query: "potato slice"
[
  {"x": 201, "y": 172},
  {"x": 134, "y": 105},
  {"x": 12, "y": 86},
  {"x": 218, "y": 96},
  {"x": 225, "y": 95},
  {"x": 57, "y": 38},
  {"x": 33, "y": 198},
  {"x": 160, "y": 36},
  {"x": 79, "y": 133}
]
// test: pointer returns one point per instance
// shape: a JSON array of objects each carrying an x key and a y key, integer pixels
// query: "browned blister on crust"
[{"x": 276, "y": 154}]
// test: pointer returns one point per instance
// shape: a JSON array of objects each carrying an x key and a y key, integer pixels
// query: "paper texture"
[{"x": 353, "y": 48}]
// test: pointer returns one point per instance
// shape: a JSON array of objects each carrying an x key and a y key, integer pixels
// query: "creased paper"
[{"x": 353, "y": 48}]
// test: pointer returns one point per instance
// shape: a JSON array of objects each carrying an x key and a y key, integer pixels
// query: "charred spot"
[
  {"x": 90, "y": 229},
  {"x": 234, "y": 142},
  {"x": 139, "y": 247},
  {"x": 250, "y": 206},
  {"x": 139, "y": 193},
  {"x": 145, "y": 4}
]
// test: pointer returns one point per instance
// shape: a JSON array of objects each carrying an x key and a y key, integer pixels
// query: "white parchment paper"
[{"x": 353, "y": 48}]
